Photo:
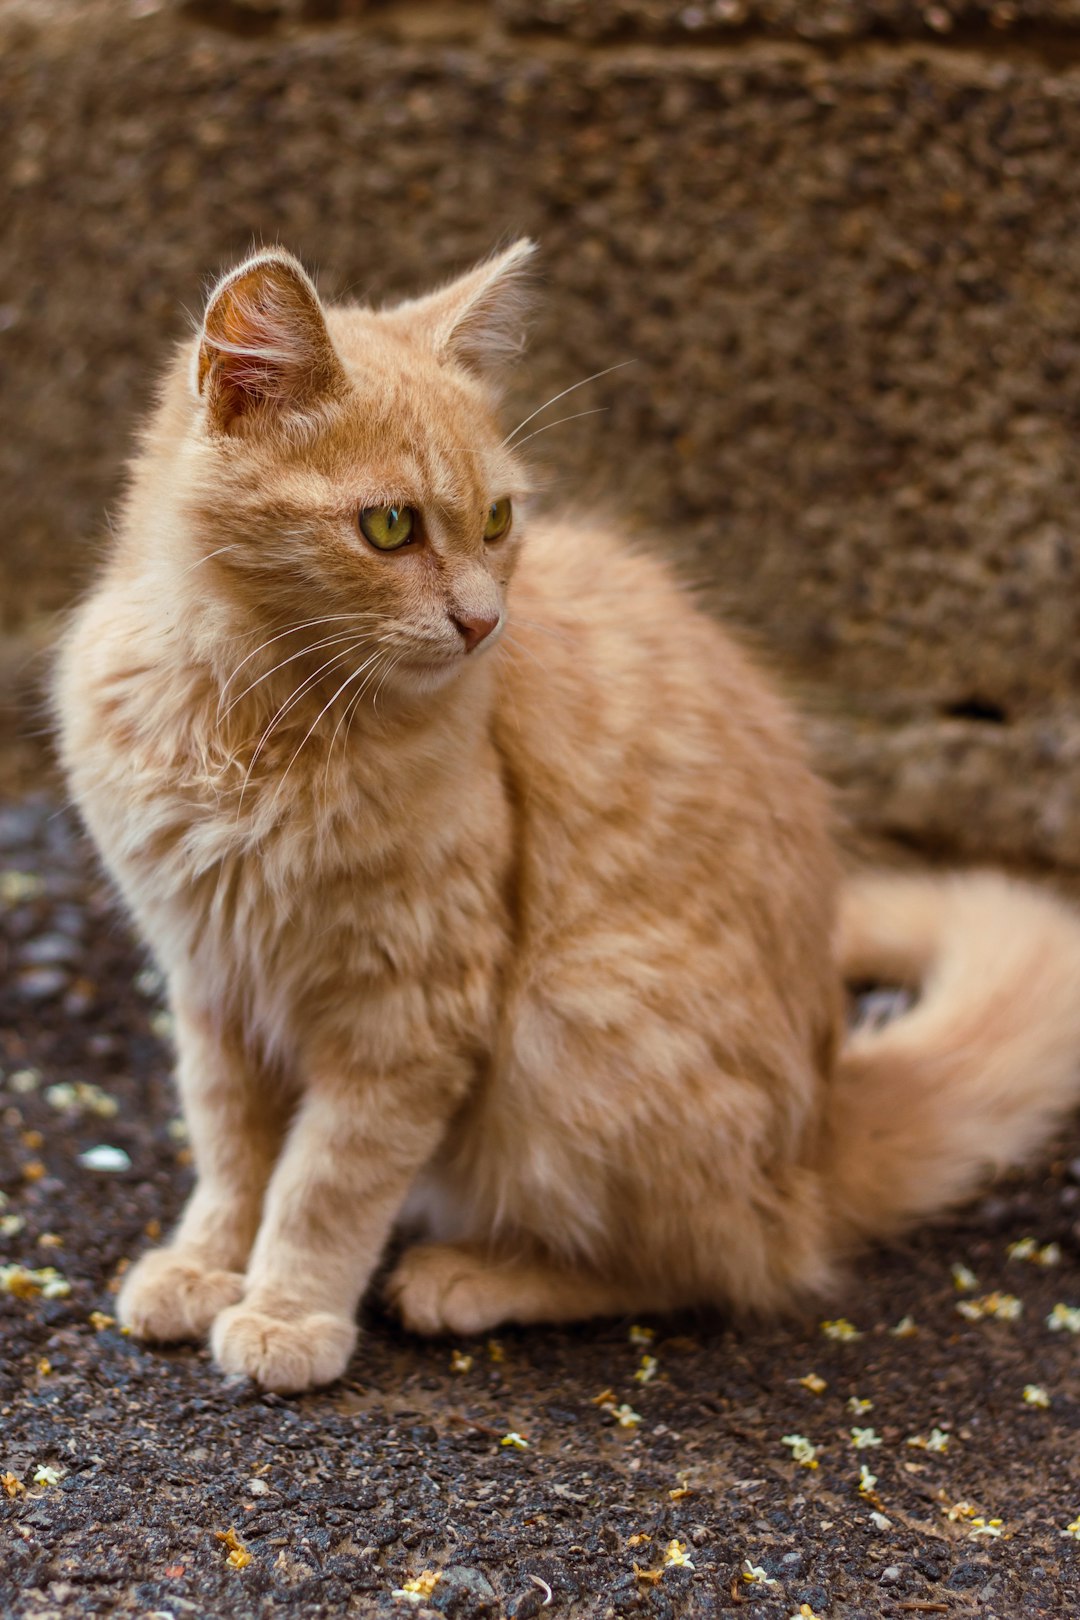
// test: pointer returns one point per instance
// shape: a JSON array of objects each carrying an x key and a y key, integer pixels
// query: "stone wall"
[{"x": 840, "y": 240}]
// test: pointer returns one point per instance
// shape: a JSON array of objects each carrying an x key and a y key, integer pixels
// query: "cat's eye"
[
  {"x": 500, "y": 516},
  {"x": 388, "y": 527}
]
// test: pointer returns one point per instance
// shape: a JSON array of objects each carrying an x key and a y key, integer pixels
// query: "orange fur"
[{"x": 536, "y": 937}]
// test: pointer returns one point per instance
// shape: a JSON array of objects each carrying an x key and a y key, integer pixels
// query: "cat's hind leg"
[{"x": 463, "y": 1288}]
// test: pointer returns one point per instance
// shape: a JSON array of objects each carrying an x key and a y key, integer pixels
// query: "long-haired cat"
[{"x": 489, "y": 876}]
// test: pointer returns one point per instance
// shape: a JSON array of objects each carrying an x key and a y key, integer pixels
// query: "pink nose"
[{"x": 475, "y": 627}]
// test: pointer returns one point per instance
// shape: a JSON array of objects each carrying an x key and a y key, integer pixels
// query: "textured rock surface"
[
  {"x": 850, "y": 279},
  {"x": 834, "y": 20}
]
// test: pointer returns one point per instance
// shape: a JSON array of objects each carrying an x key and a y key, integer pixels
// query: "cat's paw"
[
  {"x": 437, "y": 1288},
  {"x": 283, "y": 1354},
  {"x": 170, "y": 1295}
]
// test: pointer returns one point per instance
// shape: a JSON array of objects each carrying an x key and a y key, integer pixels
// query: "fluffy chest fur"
[{"x": 354, "y": 903}]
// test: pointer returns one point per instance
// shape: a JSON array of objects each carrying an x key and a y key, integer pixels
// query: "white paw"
[
  {"x": 170, "y": 1295},
  {"x": 283, "y": 1354}
]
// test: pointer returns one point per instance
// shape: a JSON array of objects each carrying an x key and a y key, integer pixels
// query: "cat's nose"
[{"x": 474, "y": 627}]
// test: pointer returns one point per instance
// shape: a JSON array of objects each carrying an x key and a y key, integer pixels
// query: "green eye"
[
  {"x": 499, "y": 518},
  {"x": 387, "y": 527}
]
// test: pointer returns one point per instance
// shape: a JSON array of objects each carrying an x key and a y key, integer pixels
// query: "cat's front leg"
[
  {"x": 352, "y": 1154},
  {"x": 236, "y": 1123}
]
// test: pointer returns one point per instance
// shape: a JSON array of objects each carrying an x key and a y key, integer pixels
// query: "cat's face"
[{"x": 352, "y": 465}]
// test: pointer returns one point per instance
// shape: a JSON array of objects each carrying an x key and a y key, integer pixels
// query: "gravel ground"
[{"x": 337, "y": 1499}]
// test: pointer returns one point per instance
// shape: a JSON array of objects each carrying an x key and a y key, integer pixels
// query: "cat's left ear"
[
  {"x": 478, "y": 321},
  {"x": 264, "y": 351}
]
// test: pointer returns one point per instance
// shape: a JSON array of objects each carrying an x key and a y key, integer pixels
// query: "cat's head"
[{"x": 346, "y": 464}]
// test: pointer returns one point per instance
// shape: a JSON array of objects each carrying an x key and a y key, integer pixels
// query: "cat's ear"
[
  {"x": 478, "y": 321},
  {"x": 264, "y": 346}
]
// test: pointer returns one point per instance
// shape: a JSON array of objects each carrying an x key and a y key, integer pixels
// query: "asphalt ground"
[{"x": 655, "y": 1467}]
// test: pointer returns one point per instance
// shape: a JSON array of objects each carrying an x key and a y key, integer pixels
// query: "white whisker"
[
  {"x": 597, "y": 410},
  {"x": 386, "y": 676},
  {"x": 284, "y": 709},
  {"x": 511, "y": 641},
  {"x": 376, "y": 655},
  {"x": 315, "y": 646},
  {"x": 545, "y": 629},
  {"x": 209, "y": 555},
  {"x": 310, "y": 730},
  {"x": 305, "y": 624},
  {"x": 556, "y": 397}
]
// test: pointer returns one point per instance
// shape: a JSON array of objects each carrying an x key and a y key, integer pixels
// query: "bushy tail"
[{"x": 982, "y": 1068}]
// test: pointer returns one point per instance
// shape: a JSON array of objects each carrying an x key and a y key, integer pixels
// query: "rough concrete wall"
[{"x": 842, "y": 243}]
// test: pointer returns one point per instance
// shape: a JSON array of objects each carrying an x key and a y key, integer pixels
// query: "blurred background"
[{"x": 840, "y": 239}]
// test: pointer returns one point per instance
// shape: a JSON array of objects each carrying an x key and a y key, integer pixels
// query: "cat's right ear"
[{"x": 264, "y": 352}]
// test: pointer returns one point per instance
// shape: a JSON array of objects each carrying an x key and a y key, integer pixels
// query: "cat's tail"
[{"x": 982, "y": 1068}]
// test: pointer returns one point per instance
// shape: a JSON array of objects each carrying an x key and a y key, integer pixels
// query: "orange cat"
[{"x": 488, "y": 875}]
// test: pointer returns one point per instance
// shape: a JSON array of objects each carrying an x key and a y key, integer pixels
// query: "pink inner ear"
[{"x": 264, "y": 341}]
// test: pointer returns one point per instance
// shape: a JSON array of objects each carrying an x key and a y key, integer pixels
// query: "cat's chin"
[{"x": 419, "y": 678}]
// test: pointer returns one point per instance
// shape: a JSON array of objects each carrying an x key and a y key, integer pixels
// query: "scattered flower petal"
[
  {"x": 1035, "y": 1395},
  {"x": 802, "y": 1451},
  {"x": 1005, "y": 1307},
  {"x": 841, "y": 1329},
  {"x": 420, "y": 1587},
  {"x": 18, "y": 887},
  {"x": 864, "y": 1439},
  {"x": 517, "y": 1441},
  {"x": 937, "y": 1441},
  {"x": 27, "y": 1284},
  {"x": 815, "y": 1384},
  {"x": 239, "y": 1557},
  {"x": 1064, "y": 1318},
  {"x": 82, "y": 1097},
  {"x": 1027, "y": 1249}
]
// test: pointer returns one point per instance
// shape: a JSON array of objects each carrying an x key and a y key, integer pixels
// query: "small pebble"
[
  {"x": 18, "y": 828},
  {"x": 49, "y": 950},
  {"x": 40, "y": 983},
  {"x": 104, "y": 1157}
]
